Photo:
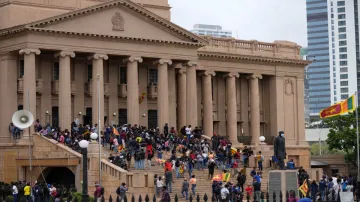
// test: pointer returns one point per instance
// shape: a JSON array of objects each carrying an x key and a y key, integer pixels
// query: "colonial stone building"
[{"x": 64, "y": 60}]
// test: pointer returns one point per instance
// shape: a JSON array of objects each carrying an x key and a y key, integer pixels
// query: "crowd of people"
[{"x": 187, "y": 150}]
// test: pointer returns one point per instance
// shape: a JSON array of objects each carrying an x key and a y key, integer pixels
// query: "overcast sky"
[{"x": 263, "y": 20}]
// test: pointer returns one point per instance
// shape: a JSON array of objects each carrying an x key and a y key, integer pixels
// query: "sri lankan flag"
[
  {"x": 348, "y": 105},
  {"x": 340, "y": 108},
  {"x": 304, "y": 188},
  {"x": 333, "y": 110},
  {"x": 115, "y": 132},
  {"x": 225, "y": 177}
]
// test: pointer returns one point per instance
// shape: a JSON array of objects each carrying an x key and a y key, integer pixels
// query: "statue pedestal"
[{"x": 282, "y": 181}]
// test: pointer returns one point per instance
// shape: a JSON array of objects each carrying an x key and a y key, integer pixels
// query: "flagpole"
[{"x": 357, "y": 134}]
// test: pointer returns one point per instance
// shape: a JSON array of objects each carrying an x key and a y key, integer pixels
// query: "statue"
[{"x": 279, "y": 149}]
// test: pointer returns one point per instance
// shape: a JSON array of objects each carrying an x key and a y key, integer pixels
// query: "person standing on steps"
[
  {"x": 169, "y": 180},
  {"x": 211, "y": 168},
  {"x": 193, "y": 184},
  {"x": 159, "y": 185},
  {"x": 185, "y": 189}
]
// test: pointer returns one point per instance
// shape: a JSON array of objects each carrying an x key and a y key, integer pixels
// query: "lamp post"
[{"x": 84, "y": 145}]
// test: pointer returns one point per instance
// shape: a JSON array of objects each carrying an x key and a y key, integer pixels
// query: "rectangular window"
[
  {"x": 342, "y": 29},
  {"x": 341, "y": 10},
  {"x": 21, "y": 68},
  {"x": 342, "y": 43},
  {"x": 344, "y": 90},
  {"x": 56, "y": 71},
  {"x": 342, "y": 23},
  {"x": 344, "y": 83},
  {"x": 341, "y": 16},
  {"x": 343, "y": 76},
  {"x": 123, "y": 73},
  {"x": 343, "y": 97},
  {"x": 341, "y": 3},
  {"x": 343, "y": 69},
  {"x": 153, "y": 76},
  {"x": 342, "y": 50},
  {"x": 89, "y": 72},
  {"x": 342, "y": 36},
  {"x": 343, "y": 63},
  {"x": 334, "y": 92}
]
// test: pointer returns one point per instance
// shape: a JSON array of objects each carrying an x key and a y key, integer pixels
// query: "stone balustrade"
[
  {"x": 39, "y": 85},
  {"x": 278, "y": 49}
]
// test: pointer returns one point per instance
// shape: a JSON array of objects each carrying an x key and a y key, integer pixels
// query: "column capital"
[
  {"x": 97, "y": 56},
  {"x": 190, "y": 63},
  {"x": 255, "y": 76},
  {"x": 207, "y": 73},
  {"x": 133, "y": 59},
  {"x": 64, "y": 54},
  {"x": 182, "y": 71},
  {"x": 232, "y": 74},
  {"x": 163, "y": 61},
  {"x": 27, "y": 51}
]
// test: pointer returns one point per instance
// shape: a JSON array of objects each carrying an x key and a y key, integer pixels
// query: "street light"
[
  {"x": 262, "y": 139},
  {"x": 94, "y": 136},
  {"x": 84, "y": 145}
]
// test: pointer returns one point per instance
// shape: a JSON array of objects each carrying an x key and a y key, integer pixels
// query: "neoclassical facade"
[{"x": 139, "y": 68}]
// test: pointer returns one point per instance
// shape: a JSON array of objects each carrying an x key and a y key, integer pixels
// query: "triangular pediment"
[{"x": 121, "y": 18}]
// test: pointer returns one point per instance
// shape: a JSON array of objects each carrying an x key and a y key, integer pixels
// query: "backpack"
[
  {"x": 118, "y": 191},
  {"x": 241, "y": 179},
  {"x": 102, "y": 190}
]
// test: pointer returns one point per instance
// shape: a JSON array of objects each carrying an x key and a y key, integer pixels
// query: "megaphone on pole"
[{"x": 22, "y": 119}]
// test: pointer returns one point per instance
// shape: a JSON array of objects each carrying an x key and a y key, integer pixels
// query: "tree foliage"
[
  {"x": 315, "y": 149},
  {"x": 342, "y": 135}
]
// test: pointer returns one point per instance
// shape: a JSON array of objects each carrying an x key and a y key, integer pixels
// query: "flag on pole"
[
  {"x": 333, "y": 110},
  {"x": 348, "y": 105},
  {"x": 304, "y": 188},
  {"x": 340, "y": 108},
  {"x": 116, "y": 132}
]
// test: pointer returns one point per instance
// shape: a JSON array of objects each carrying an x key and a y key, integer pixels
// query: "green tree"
[
  {"x": 315, "y": 149},
  {"x": 342, "y": 135}
]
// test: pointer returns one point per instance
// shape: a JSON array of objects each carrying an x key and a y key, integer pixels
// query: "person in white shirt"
[
  {"x": 188, "y": 132},
  {"x": 15, "y": 192},
  {"x": 159, "y": 185},
  {"x": 224, "y": 193}
]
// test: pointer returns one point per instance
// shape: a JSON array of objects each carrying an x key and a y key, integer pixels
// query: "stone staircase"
[{"x": 264, "y": 179}]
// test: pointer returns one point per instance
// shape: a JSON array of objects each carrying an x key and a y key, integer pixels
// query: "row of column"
[
  {"x": 187, "y": 99},
  {"x": 187, "y": 82}
]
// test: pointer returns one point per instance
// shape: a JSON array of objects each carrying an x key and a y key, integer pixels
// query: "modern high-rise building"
[
  {"x": 333, "y": 41},
  {"x": 318, "y": 73},
  {"x": 211, "y": 30},
  {"x": 304, "y": 55}
]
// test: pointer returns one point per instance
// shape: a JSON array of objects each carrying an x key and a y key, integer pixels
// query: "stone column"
[
  {"x": 98, "y": 94},
  {"x": 65, "y": 89},
  {"x": 300, "y": 108},
  {"x": 29, "y": 97},
  {"x": 163, "y": 93},
  {"x": 231, "y": 112},
  {"x": 181, "y": 98},
  {"x": 133, "y": 89},
  {"x": 255, "y": 108},
  {"x": 208, "y": 120},
  {"x": 8, "y": 93},
  {"x": 191, "y": 95}
]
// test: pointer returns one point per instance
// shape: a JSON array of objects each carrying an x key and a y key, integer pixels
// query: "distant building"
[
  {"x": 304, "y": 55},
  {"x": 211, "y": 30}
]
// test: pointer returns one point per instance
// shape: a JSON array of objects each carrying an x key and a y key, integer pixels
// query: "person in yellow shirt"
[
  {"x": 193, "y": 184},
  {"x": 27, "y": 191}
]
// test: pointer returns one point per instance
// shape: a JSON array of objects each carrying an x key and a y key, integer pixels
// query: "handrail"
[{"x": 61, "y": 146}]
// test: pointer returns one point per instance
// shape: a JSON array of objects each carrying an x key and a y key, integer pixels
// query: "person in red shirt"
[
  {"x": 249, "y": 190},
  {"x": 62, "y": 138},
  {"x": 168, "y": 165},
  {"x": 192, "y": 156}
]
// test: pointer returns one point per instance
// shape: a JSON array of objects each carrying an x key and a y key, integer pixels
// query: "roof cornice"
[
  {"x": 157, "y": 41},
  {"x": 254, "y": 58}
]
